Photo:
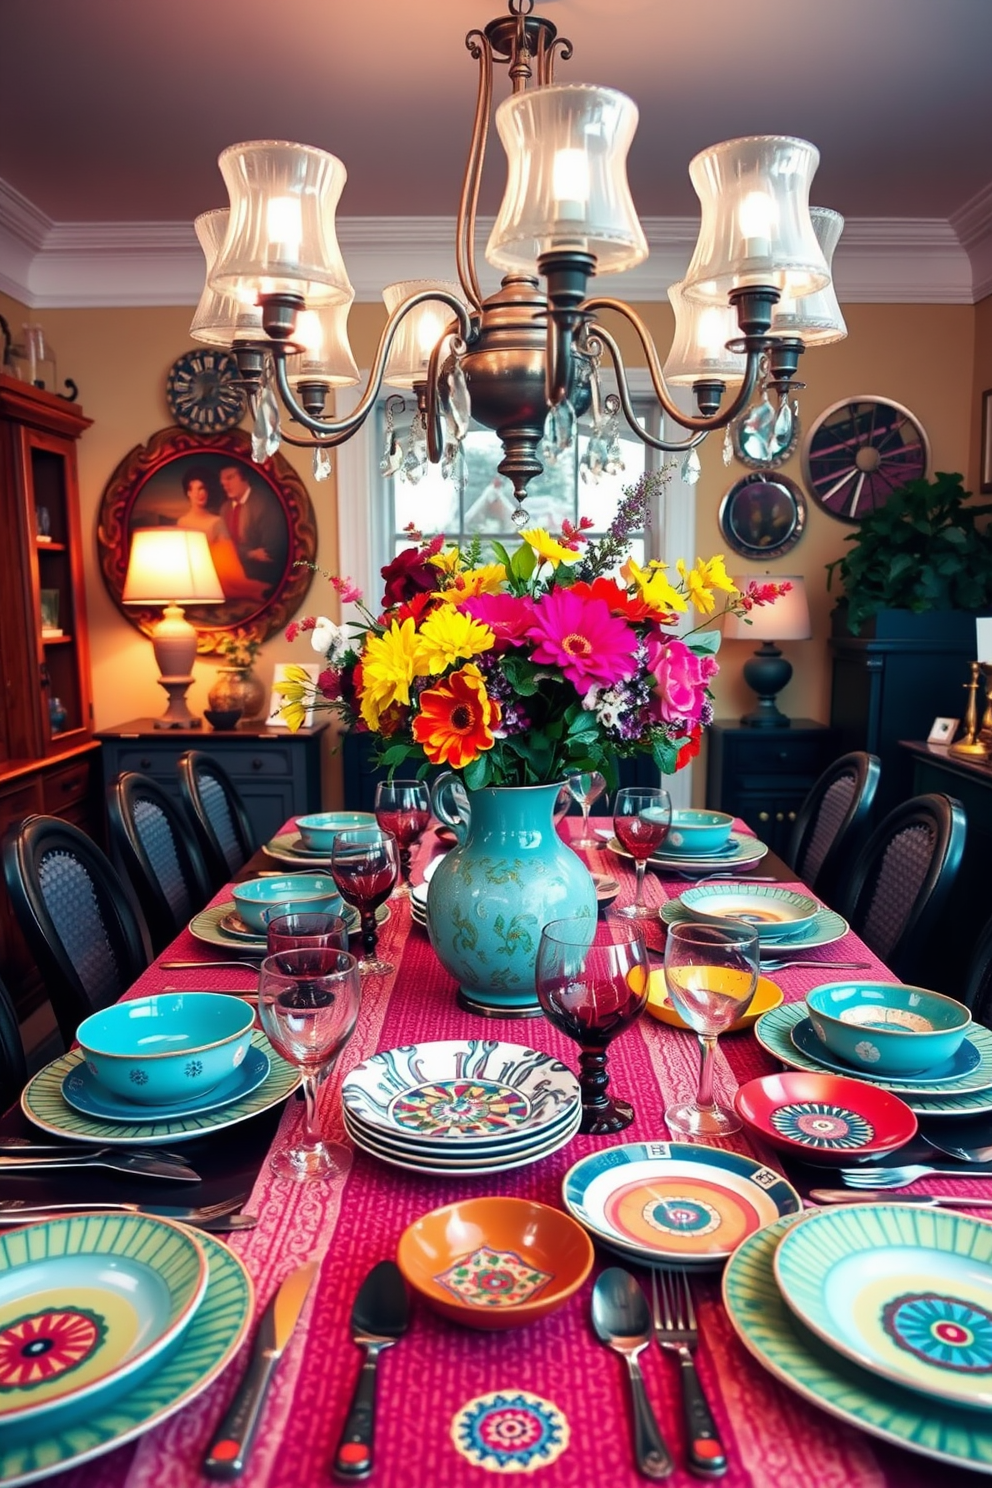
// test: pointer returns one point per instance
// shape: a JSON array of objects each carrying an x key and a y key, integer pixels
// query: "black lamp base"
[{"x": 766, "y": 673}]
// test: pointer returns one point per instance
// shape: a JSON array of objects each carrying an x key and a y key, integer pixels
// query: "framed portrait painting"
[{"x": 258, "y": 521}]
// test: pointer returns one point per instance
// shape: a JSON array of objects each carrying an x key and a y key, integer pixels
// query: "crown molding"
[{"x": 76, "y": 265}]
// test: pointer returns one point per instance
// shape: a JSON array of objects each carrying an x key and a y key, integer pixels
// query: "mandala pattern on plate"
[
  {"x": 40, "y": 1346},
  {"x": 493, "y": 1278},
  {"x": 822, "y": 1125},
  {"x": 467, "y": 1107},
  {"x": 510, "y": 1431},
  {"x": 946, "y": 1331}
]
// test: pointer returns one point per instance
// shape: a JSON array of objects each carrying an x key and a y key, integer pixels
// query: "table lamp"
[
  {"x": 171, "y": 567},
  {"x": 768, "y": 671}
]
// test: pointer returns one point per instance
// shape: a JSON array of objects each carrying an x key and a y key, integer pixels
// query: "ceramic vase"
[
  {"x": 492, "y": 895},
  {"x": 237, "y": 687}
]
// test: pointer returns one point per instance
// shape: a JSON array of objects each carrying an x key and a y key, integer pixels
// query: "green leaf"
[
  {"x": 705, "y": 642},
  {"x": 476, "y": 772},
  {"x": 523, "y": 562},
  {"x": 665, "y": 755}
]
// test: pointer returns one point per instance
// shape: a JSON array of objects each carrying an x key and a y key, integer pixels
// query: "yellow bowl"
[{"x": 768, "y": 996}]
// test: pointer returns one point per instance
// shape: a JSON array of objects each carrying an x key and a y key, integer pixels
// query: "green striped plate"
[
  {"x": 826, "y": 927},
  {"x": 774, "y": 1033},
  {"x": 211, "y": 1341},
  {"x": 43, "y": 1104},
  {"x": 770, "y": 1333},
  {"x": 206, "y": 927}
]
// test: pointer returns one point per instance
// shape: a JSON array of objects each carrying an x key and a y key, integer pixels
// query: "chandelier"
[{"x": 525, "y": 361}]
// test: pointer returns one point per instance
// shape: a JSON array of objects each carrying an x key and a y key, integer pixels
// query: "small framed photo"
[
  {"x": 986, "y": 470},
  {"x": 943, "y": 731},
  {"x": 50, "y": 612},
  {"x": 312, "y": 669}
]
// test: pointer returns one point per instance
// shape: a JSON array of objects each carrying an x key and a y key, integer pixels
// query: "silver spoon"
[{"x": 622, "y": 1321}]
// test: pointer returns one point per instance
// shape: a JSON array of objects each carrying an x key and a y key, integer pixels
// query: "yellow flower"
[
  {"x": 448, "y": 562},
  {"x": 489, "y": 579},
  {"x": 545, "y": 546},
  {"x": 297, "y": 689},
  {"x": 653, "y": 587},
  {"x": 389, "y": 665},
  {"x": 703, "y": 579},
  {"x": 449, "y": 635}
]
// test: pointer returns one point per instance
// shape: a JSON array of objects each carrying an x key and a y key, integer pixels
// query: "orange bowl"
[{"x": 495, "y": 1263}]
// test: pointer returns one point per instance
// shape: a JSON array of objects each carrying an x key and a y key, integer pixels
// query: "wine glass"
[
  {"x": 308, "y": 1006},
  {"x": 711, "y": 972},
  {"x": 403, "y": 807},
  {"x": 585, "y": 787},
  {"x": 563, "y": 801},
  {"x": 297, "y": 932},
  {"x": 592, "y": 982},
  {"x": 364, "y": 864},
  {"x": 642, "y": 815}
]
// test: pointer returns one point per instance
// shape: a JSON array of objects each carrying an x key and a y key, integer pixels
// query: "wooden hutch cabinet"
[{"x": 49, "y": 760}]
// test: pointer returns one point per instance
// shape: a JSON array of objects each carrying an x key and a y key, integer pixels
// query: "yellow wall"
[{"x": 933, "y": 358}]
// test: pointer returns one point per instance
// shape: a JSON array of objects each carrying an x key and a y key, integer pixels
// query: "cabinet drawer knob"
[
  {"x": 258, "y": 764},
  {"x": 780, "y": 816},
  {"x": 146, "y": 763},
  {"x": 763, "y": 816},
  {"x": 792, "y": 816}
]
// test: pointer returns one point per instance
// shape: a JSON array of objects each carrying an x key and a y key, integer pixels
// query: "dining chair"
[
  {"x": 976, "y": 990},
  {"x": 154, "y": 844},
  {"x": 13, "y": 1066},
  {"x": 76, "y": 914},
  {"x": 218, "y": 814},
  {"x": 832, "y": 821},
  {"x": 901, "y": 879}
]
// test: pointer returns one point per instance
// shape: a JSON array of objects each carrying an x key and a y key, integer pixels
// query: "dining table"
[{"x": 552, "y": 1375}]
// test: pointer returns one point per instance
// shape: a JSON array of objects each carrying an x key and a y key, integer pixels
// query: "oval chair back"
[
  {"x": 218, "y": 815},
  {"x": 832, "y": 821},
  {"x": 153, "y": 843},
  {"x": 13, "y": 1066}
]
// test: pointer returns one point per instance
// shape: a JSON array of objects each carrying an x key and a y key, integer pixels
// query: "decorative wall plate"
[
  {"x": 763, "y": 515},
  {"x": 204, "y": 391},
  {"x": 858, "y": 451}
]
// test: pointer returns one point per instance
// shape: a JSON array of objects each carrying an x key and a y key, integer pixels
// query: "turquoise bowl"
[
  {"x": 319, "y": 831},
  {"x": 887, "y": 1028},
  {"x": 696, "y": 831},
  {"x": 168, "y": 1049},
  {"x": 260, "y": 899}
]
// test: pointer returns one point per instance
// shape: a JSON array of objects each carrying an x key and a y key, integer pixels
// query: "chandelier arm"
[
  {"x": 334, "y": 432},
  {"x": 479, "y": 47},
  {"x": 597, "y": 338},
  {"x": 754, "y": 347}
]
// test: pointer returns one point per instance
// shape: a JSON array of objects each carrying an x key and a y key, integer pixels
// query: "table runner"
[{"x": 773, "y": 1438}]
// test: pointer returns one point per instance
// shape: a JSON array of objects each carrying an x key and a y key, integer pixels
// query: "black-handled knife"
[
  {"x": 228, "y": 1453},
  {"x": 379, "y": 1318}
]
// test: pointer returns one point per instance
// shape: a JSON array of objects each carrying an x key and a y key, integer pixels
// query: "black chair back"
[
  {"x": 13, "y": 1067},
  {"x": 832, "y": 821},
  {"x": 976, "y": 993},
  {"x": 901, "y": 880},
  {"x": 218, "y": 815},
  {"x": 154, "y": 844},
  {"x": 75, "y": 913}
]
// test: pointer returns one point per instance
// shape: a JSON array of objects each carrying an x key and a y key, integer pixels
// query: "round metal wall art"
[
  {"x": 858, "y": 451},
  {"x": 763, "y": 515}
]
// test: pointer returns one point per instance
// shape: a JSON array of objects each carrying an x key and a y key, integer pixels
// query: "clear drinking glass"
[
  {"x": 585, "y": 786},
  {"x": 364, "y": 865},
  {"x": 711, "y": 972},
  {"x": 308, "y": 1006},
  {"x": 642, "y": 815},
  {"x": 403, "y": 807},
  {"x": 310, "y": 931},
  {"x": 592, "y": 982}
]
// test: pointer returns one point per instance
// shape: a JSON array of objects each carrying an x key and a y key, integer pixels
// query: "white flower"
[
  {"x": 866, "y": 1051},
  {"x": 591, "y": 700},
  {"x": 326, "y": 638}
]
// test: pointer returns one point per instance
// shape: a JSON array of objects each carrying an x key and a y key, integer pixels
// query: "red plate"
[{"x": 825, "y": 1118}]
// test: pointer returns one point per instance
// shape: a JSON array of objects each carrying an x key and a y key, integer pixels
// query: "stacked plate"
[
  {"x": 461, "y": 1107},
  {"x": 961, "y": 1087},
  {"x": 881, "y": 1315},
  {"x": 109, "y": 1323},
  {"x": 784, "y": 920},
  {"x": 740, "y": 852},
  {"x": 221, "y": 926},
  {"x": 675, "y": 1203}
]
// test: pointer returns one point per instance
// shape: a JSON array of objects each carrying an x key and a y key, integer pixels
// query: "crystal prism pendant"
[
  {"x": 459, "y": 403},
  {"x": 756, "y": 431},
  {"x": 691, "y": 468},
  {"x": 392, "y": 456},
  {"x": 520, "y": 517},
  {"x": 321, "y": 463},
  {"x": 265, "y": 437},
  {"x": 784, "y": 423},
  {"x": 728, "y": 446}
]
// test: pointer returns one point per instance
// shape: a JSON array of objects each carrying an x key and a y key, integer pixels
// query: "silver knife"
[
  {"x": 894, "y": 1196},
  {"x": 143, "y": 1165},
  {"x": 228, "y": 1452}
]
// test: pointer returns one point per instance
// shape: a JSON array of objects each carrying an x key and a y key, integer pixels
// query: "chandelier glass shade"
[
  {"x": 816, "y": 319},
  {"x": 221, "y": 319},
  {"x": 699, "y": 346}
]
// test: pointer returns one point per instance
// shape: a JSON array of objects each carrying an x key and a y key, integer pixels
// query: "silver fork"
[
  {"x": 774, "y": 965},
  {"x": 675, "y": 1330},
  {"x": 208, "y": 1216},
  {"x": 900, "y": 1177}
]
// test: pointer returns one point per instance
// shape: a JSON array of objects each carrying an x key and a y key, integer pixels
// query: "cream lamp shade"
[
  {"x": 767, "y": 672},
  {"x": 171, "y": 567}
]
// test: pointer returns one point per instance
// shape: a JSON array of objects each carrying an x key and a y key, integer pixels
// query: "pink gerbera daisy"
[
  {"x": 592, "y": 647},
  {"x": 508, "y": 616}
]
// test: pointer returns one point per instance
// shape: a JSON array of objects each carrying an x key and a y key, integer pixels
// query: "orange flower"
[{"x": 456, "y": 719}]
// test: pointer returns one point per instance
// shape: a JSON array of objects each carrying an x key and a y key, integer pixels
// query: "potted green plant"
[{"x": 927, "y": 549}]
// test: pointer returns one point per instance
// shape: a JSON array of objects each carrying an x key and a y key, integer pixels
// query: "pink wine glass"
[
  {"x": 364, "y": 865},
  {"x": 642, "y": 815},
  {"x": 403, "y": 807}
]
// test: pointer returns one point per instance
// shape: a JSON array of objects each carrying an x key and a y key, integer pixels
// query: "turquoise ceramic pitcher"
[{"x": 493, "y": 894}]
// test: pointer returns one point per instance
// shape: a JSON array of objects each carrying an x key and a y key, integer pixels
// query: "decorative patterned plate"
[
  {"x": 774, "y": 1034},
  {"x": 44, "y": 1105},
  {"x": 905, "y": 1294},
  {"x": 667, "y": 1201},
  {"x": 458, "y": 1154},
  {"x": 744, "y": 853},
  {"x": 206, "y": 1348},
  {"x": 966, "y": 1070},
  {"x": 823, "y": 1117},
  {"x": 772, "y": 911},
  {"x": 83, "y": 1091},
  {"x": 825, "y": 928},
  {"x": 513, "y": 1158},
  {"x": 461, "y": 1091},
  {"x": 208, "y": 926},
  {"x": 771, "y": 1335},
  {"x": 288, "y": 847},
  {"x": 767, "y": 996},
  {"x": 88, "y": 1306}
]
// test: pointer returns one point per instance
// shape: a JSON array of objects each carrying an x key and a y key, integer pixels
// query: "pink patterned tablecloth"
[{"x": 773, "y": 1439}]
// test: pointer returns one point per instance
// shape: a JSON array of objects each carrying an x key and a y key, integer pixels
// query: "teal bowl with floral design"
[
  {"x": 887, "y": 1028},
  {"x": 167, "y": 1049}
]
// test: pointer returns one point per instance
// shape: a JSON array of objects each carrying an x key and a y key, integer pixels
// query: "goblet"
[
  {"x": 311, "y": 931},
  {"x": 711, "y": 972},
  {"x": 364, "y": 864},
  {"x": 585, "y": 787},
  {"x": 642, "y": 815},
  {"x": 403, "y": 807},
  {"x": 308, "y": 1006},
  {"x": 592, "y": 982}
]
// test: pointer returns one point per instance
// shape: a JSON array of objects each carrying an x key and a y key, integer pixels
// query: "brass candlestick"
[{"x": 969, "y": 746}]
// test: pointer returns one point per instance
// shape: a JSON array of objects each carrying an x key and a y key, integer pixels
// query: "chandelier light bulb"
[
  {"x": 757, "y": 221},
  {"x": 284, "y": 225},
  {"x": 571, "y": 183},
  {"x": 309, "y": 334}
]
